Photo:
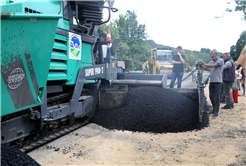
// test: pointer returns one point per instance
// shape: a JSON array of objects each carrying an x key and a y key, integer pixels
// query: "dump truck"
[{"x": 53, "y": 66}]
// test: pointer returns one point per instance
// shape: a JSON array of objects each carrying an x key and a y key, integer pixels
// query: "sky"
[{"x": 191, "y": 24}]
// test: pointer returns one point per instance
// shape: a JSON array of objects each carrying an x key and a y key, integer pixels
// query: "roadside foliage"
[{"x": 135, "y": 47}]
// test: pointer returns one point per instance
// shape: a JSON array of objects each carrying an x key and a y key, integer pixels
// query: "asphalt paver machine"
[{"x": 52, "y": 66}]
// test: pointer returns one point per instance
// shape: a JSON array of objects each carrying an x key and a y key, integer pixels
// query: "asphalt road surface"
[{"x": 189, "y": 83}]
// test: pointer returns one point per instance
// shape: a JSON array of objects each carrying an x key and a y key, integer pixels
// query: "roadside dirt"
[{"x": 221, "y": 143}]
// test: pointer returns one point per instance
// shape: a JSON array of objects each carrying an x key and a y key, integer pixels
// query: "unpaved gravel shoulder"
[{"x": 222, "y": 143}]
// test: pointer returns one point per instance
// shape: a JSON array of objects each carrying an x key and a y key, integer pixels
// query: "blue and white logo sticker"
[{"x": 75, "y": 46}]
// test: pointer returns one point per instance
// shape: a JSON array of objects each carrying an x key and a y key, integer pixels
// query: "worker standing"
[
  {"x": 235, "y": 86},
  {"x": 228, "y": 79},
  {"x": 178, "y": 67},
  {"x": 216, "y": 69}
]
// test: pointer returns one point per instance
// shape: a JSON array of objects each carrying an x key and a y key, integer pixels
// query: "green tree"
[
  {"x": 236, "y": 50},
  {"x": 233, "y": 51},
  {"x": 190, "y": 59},
  {"x": 133, "y": 36},
  {"x": 122, "y": 27},
  {"x": 204, "y": 56},
  {"x": 240, "y": 6},
  {"x": 153, "y": 44},
  {"x": 133, "y": 48},
  {"x": 129, "y": 28},
  {"x": 205, "y": 50},
  {"x": 134, "y": 31},
  {"x": 114, "y": 32}
]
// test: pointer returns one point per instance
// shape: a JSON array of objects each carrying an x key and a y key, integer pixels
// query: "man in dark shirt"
[
  {"x": 178, "y": 67},
  {"x": 240, "y": 68}
]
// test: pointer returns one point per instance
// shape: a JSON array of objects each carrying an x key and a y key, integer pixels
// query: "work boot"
[
  {"x": 210, "y": 111},
  {"x": 215, "y": 114},
  {"x": 226, "y": 107}
]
